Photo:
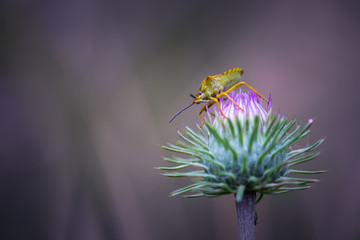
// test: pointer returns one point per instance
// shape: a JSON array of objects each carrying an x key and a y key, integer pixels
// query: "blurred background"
[{"x": 88, "y": 87}]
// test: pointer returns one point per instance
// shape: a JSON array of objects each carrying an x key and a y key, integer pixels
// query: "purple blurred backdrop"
[{"x": 88, "y": 87}]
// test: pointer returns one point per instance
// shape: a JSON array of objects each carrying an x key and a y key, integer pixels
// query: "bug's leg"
[
  {"x": 217, "y": 103},
  {"x": 199, "y": 114},
  {"x": 204, "y": 109},
  {"x": 244, "y": 83},
  {"x": 224, "y": 93},
  {"x": 208, "y": 110}
]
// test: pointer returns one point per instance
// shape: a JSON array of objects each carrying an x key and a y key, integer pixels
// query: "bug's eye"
[{"x": 199, "y": 93}]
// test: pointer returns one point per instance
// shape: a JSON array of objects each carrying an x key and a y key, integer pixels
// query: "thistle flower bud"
[{"x": 250, "y": 150}]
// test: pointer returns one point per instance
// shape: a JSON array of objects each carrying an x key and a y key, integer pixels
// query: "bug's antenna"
[
  {"x": 192, "y": 95},
  {"x": 180, "y": 112}
]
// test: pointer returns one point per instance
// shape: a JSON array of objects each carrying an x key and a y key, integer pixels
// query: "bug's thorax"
[{"x": 209, "y": 87}]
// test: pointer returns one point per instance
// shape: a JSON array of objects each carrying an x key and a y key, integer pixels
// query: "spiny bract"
[{"x": 250, "y": 150}]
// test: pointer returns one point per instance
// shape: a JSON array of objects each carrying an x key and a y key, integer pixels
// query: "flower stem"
[{"x": 245, "y": 210}]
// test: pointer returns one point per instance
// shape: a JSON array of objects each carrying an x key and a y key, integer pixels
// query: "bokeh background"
[{"x": 88, "y": 87}]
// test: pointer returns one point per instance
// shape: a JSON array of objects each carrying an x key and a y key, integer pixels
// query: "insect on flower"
[{"x": 212, "y": 88}]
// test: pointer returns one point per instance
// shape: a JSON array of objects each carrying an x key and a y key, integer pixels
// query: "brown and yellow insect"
[{"x": 212, "y": 88}]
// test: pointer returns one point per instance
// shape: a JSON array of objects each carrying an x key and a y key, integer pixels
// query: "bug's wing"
[{"x": 231, "y": 77}]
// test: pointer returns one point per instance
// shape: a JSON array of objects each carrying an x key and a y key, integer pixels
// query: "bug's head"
[{"x": 197, "y": 97}]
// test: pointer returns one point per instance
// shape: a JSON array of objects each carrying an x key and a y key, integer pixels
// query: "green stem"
[{"x": 245, "y": 210}]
